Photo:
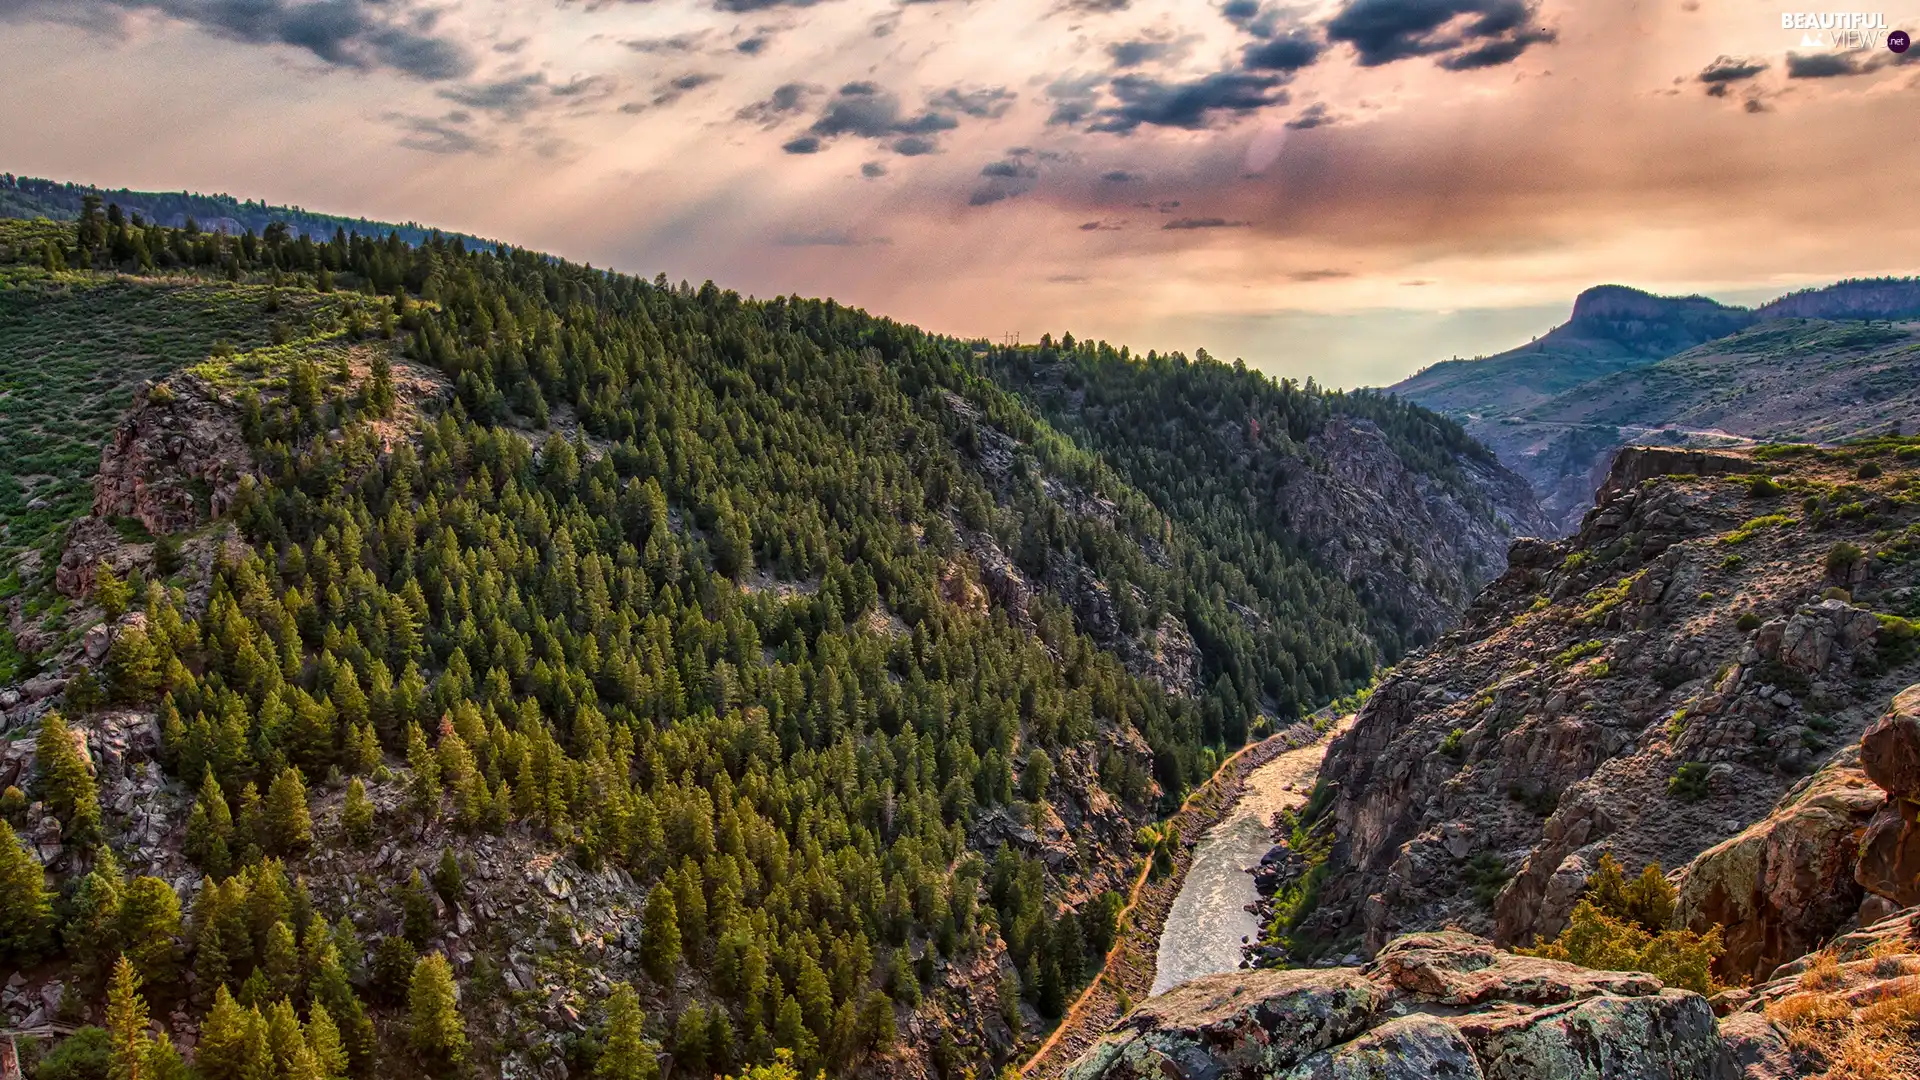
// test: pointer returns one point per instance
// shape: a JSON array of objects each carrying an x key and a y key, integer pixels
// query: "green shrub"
[
  {"x": 1624, "y": 926},
  {"x": 1867, "y": 471},
  {"x": 1747, "y": 621},
  {"x": 1842, "y": 556},
  {"x": 1487, "y": 874},
  {"x": 1574, "y": 654},
  {"x": 1763, "y": 487},
  {"x": 85, "y": 1055},
  {"x": 1689, "y": 782},
  {"x": 1450, "y": 745}
]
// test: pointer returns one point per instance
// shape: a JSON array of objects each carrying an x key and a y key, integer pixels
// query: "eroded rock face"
[
  {"x": 1787, "y": 883},
  {"x": 1484, "y": 778},
  {"x": 175, "y": 460},
  {"x": 1441, "y": 1006}
]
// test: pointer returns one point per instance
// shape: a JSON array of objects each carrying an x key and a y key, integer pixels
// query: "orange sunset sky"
[{"x": 1350, "y": 189}]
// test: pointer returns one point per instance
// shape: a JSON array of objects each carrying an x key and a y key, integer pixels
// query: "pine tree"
[
  {"x": 437, "y": 1034},
  {"x": 446, "y": 878},
  {"x": 289, "y": 826},
  {"x": 280, "y": 961},
  {"x": 323, "y": 1038},
  {"x": 93, "y": 922},
  {"x": 65, "y": 782},
  {"x": 380, "y": 394},
  {"x": 230, "y": 1048},
  {"x": 163, "y": 1061},
  {"x": 660, "y": 935},
  {"x": 627, "y": 1055},
  {"x": 133, "y": 671},
  {"x": 149, "y": 923},
  {"x": 416, "y": 910},
  {"x": 110, "y": 592},
  {"x": 210, "y": 829},
  {"x": 26, "y": 909},
  {"x": 356, "y": 814},
  {"x": 423, "y": 787},
  {"x": 127, "y": 1024}
]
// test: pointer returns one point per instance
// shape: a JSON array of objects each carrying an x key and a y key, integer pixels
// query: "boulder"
[
  {"x": 1890, "y": 749},
  {"x": 1889, "y": 859},
  {"x": 1787, "y": 882},
  {"x": 1414, "y": 1047},
  {"x": 1435, "y": 1006},
  {"x": 1241, "y": 1024}
]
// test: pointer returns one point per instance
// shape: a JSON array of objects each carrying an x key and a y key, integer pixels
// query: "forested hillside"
[{"x": 763, "y": 666}]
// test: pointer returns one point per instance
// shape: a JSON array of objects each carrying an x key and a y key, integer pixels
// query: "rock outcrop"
[
  {"x": 1841, "y": 849},
  {"x": 1430, "y": 1006},
  {"x": 1650, "y": 686}
]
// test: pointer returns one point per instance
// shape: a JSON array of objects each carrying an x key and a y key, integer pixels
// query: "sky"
[{"x": 1347, "y": 189}]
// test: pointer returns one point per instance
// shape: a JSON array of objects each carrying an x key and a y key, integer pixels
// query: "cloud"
[
  {"x": 742, "y": 6},
  {"x": 988, "y": 103},
  {"x": 786, "y": 100},
  {"x": 866, "y": 110},
  {"x": 365, "y": 35},
  {"x": 1728, "y": 69},
  {"x": 1465, "y": 34},
  {"x": 676, "y": 88},
  {"x": 873, "y": 170},
  {"x": 1128, "y": 54},
  {"x": 1119, "y": 176},
  {"x": 1074, "y": 97},
  {"x": 676, "y": 43},
  {"x": 1194, "y": 104},
  {"x": 1288, "y": 52},
  {"x": 1103, "y": 226},
  {"x": 443, "y": 135},
  {"x": 1091, "y": 7},
  {"x": 1202, "y": 223},
  {"x": 513, "y": 97},
  {"x": 1305, "y": 276},
  {"x": 805, "y": 144},
  {"x": 1836, "y": 64},
  {"x": 755, "y": 45},
  {"x": 1313, "y": 116}
]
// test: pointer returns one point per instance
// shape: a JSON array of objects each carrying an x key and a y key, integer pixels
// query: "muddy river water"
[{"x": 1209, "y": 917}]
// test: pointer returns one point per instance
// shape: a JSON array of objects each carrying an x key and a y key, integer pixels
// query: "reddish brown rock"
[
  {"x": 1889, "y": 863},
  {"x": 1787, "y": 883},
  {"x": 1890, "y": 750}
]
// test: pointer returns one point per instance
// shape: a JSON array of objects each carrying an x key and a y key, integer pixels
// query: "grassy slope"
[{"x": 72, "y": 348}]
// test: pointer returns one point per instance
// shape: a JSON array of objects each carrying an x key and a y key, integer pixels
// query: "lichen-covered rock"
[
  {"x": 1451, "y": 968},
  {"x": 1241, "y": 1024},
  {"x": 1757, "y": 1048},
  {"x": 1438, "y": 1006},
  {"x": 1670, "y": 1034},
  {"x": 1416, "y": 1047},
  {"x": 1785, "y": 884},
  {"x": 1889, "y": 862}
]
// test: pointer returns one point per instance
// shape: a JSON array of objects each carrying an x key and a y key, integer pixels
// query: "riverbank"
[{"x": 1128, "y": 974}]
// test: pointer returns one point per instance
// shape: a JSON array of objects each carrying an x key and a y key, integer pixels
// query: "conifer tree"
[
  {"x": 93, "y": 922},
  {"x": 133, "y": 671},
  {"x": 437, "y": 1034},
  {"x": 323, "y": 1038},
  {"x": 660, "y": 935},
  {"x": 356, "y": 814},
  {"x": 289, "y": 825},
  {"x": 627, "y": 1055},
  {"x": 65, "y": 782},
  {"x": 109, "y": 591},
  {"x": 149, "y": 923},
  {"x": 280, "y": 961},
  {"x": 423, "y": 787},
  {"x": 127, "y": 1024},
  {"x": 210, "y": 829},
  {"x": 26, "y": 909},
  {"x": 416, "y": 910},
  {"x": 233, "y": 1043}
]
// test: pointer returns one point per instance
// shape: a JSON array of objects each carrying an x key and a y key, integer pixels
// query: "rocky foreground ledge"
[{"x": 1442, "y": 1006}]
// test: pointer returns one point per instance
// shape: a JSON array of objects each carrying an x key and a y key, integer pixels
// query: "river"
[{"x": 1204, "y": 927}]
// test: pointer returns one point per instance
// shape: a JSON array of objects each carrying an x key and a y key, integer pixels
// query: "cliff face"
[
  {"x": 1403, "y": 539},
  {"x": 1649, "y": 686},
  {"x": 1876, "y": 298}
]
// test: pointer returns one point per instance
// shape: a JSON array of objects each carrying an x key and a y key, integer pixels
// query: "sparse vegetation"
[{"x": 1622, "y": 925}]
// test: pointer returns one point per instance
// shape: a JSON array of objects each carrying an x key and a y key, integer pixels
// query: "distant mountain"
[
  {"x": 1631, "y": 366},
  {"x": 26, "y": 197}
]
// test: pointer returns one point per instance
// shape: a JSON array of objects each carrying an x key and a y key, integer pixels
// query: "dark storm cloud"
[
  {"x": 805, "y": 144},
  {"x": 1128, "y": 54},
  {"x": 1829, "y": 65},
  {"x": 1465, "y": 34},
  {"x": 359, "y": 34},
  {"x": 914, "y": 146},
  {"x": 1193, "y": 104}
]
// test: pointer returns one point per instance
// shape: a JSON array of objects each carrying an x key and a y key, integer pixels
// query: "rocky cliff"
[{"x": 1649, "y": 686}]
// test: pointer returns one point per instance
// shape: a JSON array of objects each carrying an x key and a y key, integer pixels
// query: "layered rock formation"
[
  {"x": 1649, "y": 686},
  {"x": 1444, "y": 1005}
]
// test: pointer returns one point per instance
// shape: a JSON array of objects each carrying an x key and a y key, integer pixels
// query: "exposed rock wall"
[{"x": 1484, "y": 778}]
